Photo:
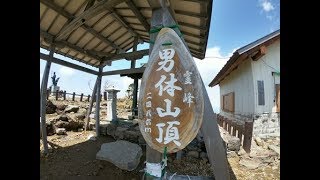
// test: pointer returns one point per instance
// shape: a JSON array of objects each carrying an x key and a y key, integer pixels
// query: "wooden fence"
[
  {"x": 63, "y": 95},
  {"x": 242, "y": 130}
]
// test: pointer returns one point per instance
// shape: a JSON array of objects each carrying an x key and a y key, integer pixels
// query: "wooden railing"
[
  {"x": 63, "y": 95},
  {"x": 241, "y": 129}
]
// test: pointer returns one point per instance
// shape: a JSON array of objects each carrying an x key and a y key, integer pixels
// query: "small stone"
[
  {"x": 60, "y": 131},
  {"x": 250, "y": 163},
  {"x": 203, "y": 155},
  {"x": 275, "y": 148},
  {"x": 95, "y": 173},
  {"x": 194, "y": 154},
  {"x": 241, "y": 152},
  {"x": 91, "y": 137},
  {"x": 100, "y": 166},
  {"x": 259, "y": 141},
  {"x": 231, "y": 154}
]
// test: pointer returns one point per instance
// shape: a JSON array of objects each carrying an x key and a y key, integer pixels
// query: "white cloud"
[
  {"x": 266, "y": 5},
  {"x": 209, "y": 68},
  {"x": 65, "y": 71}
]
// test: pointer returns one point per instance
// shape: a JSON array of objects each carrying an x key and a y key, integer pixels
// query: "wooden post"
[
  {"x": 48, "y": 93},
  {"x": 44, "y": 101},
  {"x": 90, "y": 106},
  {"x": 248, "y": 127},
  {"x": 234, "y": 128},
  {"x": 64, "y": 95},
  {"x": 105, "y": 95},
  {"x": 81, "y": 97},
  {"x": 73, "y": 95},
  {"x": 135, "y": 83},
  {"x": 240, "y": 131},
  {"x": 98, "y": 101},
  {"x": 57, "y": 93},
  {"x": 230, "y": 125},
  {"x": 88, "y": 99},
  {"x": 213, "y": 141}
]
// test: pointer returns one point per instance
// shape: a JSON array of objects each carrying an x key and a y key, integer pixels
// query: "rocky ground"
[{"x": 73, "y": 151}]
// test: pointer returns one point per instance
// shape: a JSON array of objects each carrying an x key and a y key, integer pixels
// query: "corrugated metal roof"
[{"x": 81, "y": 30}]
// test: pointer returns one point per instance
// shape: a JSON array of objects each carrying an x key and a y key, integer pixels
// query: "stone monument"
[
  {"x": 55, "y": 80},
  {"x": 112, "y": 105}
]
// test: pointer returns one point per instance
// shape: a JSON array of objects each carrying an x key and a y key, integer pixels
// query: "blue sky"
[{"x": 234, "y": 23}]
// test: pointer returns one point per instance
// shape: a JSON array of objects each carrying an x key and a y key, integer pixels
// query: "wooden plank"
[
  {"x": 67, "y": 64},
  {"x": 192, "y": 14},
  {"x": 98, "y": 99},
  {"x": 44, "y": 100},
  {"x": 128, "y": 56},
  {"x": 278, "y": 97},
  {"x": 186, "y": 94},
  {"x": 124, "y": 71}
]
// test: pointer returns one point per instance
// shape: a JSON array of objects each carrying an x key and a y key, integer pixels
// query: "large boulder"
[
  {"x": 71, "y": 108},
  {"x": 74, "y": 125},
  {"x": 50, "y": 107},
  {"x": 123, "y": 154}
]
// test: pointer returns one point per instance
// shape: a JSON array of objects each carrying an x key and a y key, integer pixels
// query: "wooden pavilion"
[{"x": 97, "y": 32}]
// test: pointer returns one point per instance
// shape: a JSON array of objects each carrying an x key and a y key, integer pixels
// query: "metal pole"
[{"x": 44, "y": 100}]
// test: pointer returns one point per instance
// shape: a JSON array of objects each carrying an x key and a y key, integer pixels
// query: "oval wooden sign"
[{"x": 170, "y": 99}]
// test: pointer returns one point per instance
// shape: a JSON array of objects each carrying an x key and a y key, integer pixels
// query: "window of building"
[
  {"x": 227, "y": 102},
  {"x": 261, "y": 93}
]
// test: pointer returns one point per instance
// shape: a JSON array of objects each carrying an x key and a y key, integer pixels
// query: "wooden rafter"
[{"x": 138, "y": 15}]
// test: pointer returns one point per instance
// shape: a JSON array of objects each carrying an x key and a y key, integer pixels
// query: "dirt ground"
[{"x": 73, "y": 157}]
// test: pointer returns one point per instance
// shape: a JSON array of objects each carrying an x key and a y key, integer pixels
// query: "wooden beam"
[
  {"x": 44, "y": 99},
  {"x": 128, "y": 56},
  {"x": 261, "y": 52},
  {"x": 85, "y": 16},
  {"x": 98, "y": 99},
  {"x": 71, "y": 18},
  {"x": 89, "y": 4},
  {"x": 123, "y": 22},
  {"x": 201, "y": 28},
  {"x": 202, "y": 38},
  {"x": 192, "y": 14},
  {"x": 99, "y": 36},
  {"x": 138, "y": 14},
  {"x": 124, "y": 71},
  {"x": 94, "y": 91},
  {"x": 67, "y": 64},
  {"x": 61, "y": 44},
  {"x": 198, "y": 1}
]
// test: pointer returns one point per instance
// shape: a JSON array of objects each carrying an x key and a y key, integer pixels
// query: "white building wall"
[
  {"x": 240, "y": 82},
  {"x": 261, "y": 70}
]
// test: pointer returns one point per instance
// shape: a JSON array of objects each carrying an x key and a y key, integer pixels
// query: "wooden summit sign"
[{"x": 171, "y": 100}]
